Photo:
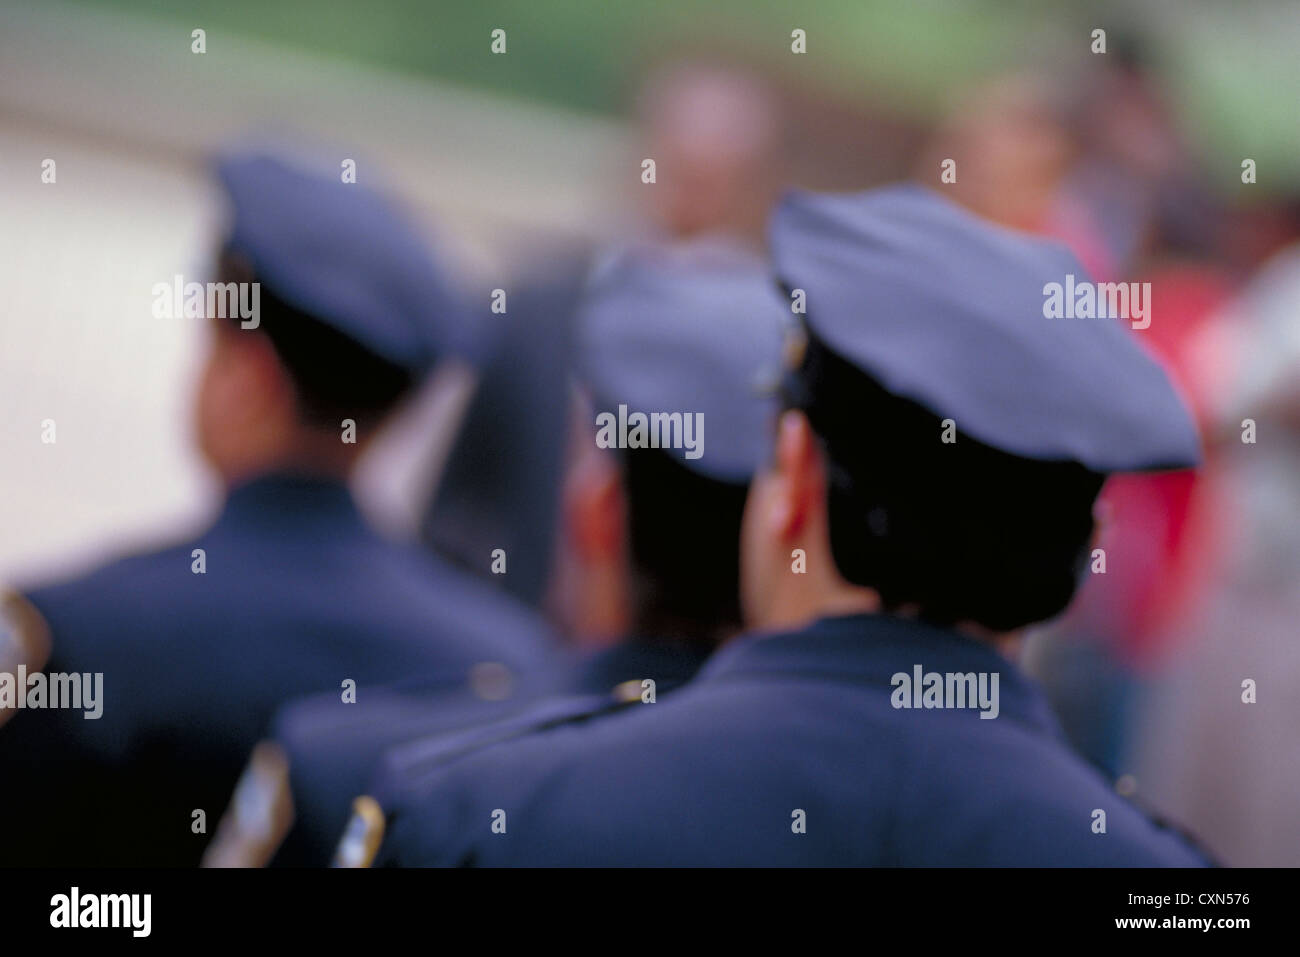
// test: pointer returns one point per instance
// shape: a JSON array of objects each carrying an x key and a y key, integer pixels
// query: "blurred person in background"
[
  {"x": 1011, "y": 150},
  {"x": 717, "y": 136},
  {"x": 1134, "y": 180},
  {"x": 289, "y": 591},
  {"x": 691, "y": 326},
  {"x": 1220, "y": 755},
  {"x": 501, "y": 485}
]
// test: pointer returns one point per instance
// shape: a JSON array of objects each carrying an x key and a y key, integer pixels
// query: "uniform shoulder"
[
  {"x": 585, "y": 777},
  {"x": 108, "y": 600},
  {"x": 114, "y": 576},
  {"x": 1003, "y": 796}
]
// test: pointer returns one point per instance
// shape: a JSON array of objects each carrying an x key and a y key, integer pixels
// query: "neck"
[
  {"x": 833, "y": 597},
  {"x": 309, "y": 456},
  {"x": 825, "y": 598},
  {"x": 1005, "y": 643}
]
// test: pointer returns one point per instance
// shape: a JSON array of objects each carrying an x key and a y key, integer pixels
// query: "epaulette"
[
  {"x": 260, "y": 813},
  {"x": 411, "y": 763},
  {"x": 24, "y": 644}
]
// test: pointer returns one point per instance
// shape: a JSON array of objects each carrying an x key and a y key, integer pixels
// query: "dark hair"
[
  {"x": 961, "y": 530},
  {"x": 684, "y": 541},
  {"x": 333, "y": 376}
]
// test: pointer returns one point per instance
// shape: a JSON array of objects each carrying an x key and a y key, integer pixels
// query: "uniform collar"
[
  {"x": 869, "y": 650},
  {"x": 289, "y": 500},
  {"x": 669, "y": 662}
]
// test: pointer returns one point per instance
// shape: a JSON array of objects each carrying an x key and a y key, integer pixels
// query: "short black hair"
[
  {"x": 961, "y": 531},
  {"x": 684, "y": 542},
  {"x": 334, "y": 376}
]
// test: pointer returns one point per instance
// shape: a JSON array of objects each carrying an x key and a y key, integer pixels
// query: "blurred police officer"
[
  {"x": 290, "y": 591},
  {"x": 930, "y": 496},
  {"x": 650, "y": 563}
]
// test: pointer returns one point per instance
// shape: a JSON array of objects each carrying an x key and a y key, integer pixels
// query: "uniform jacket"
[
  {"x": 788, "y": 749},
  {"x": 298, "y": 596},
  {"x": 334, "y": 751}
]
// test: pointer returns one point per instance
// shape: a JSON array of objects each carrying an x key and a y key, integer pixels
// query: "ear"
[
  {"x": 798, "y": 489},
  {"x": 594, "y": 509},
  {"x": 1103, "y": 519},
  {"x": 252, "y": 380}
]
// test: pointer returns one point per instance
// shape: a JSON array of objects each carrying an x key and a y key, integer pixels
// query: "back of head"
[
  {"x": 345, "y": 289},
  {"x": 333, "y": 376},
  {"x": 683, "y": 534},
  {"x": 676, "y": 346},
  {"x": 960, "y": 532},
  {"x": 966, "y": 434}
]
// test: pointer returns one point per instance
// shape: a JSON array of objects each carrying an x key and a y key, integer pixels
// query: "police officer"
[
  {"x": 290, "y": 591},
  {"x": 930, "y": 496},
  {"x": 692, "y": 331}
]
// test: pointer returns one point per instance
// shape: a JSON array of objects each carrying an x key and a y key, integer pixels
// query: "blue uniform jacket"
[
  {"x": 334, "y": 750},
  {"x": 788, "y": 750},
  {"x": 298, "y": 596}
]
